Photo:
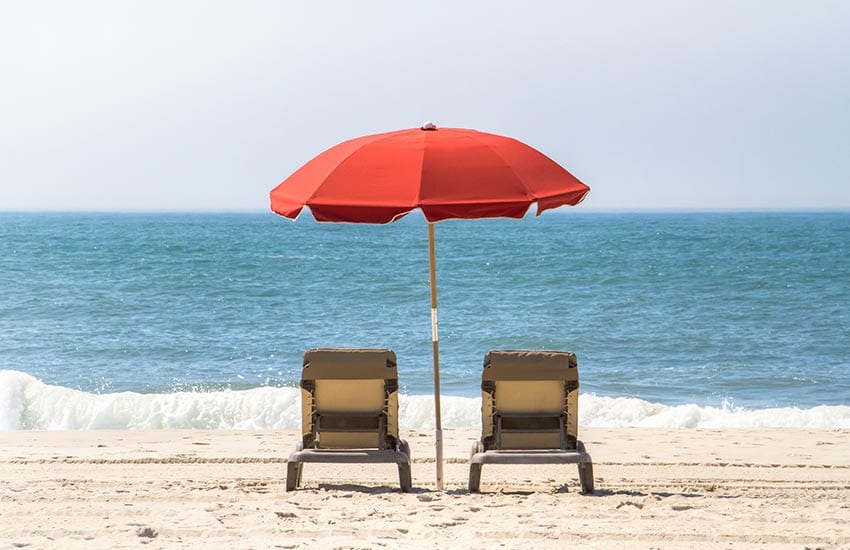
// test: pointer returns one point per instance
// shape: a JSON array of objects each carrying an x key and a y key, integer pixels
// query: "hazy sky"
[{"x": 202, "y": 105}]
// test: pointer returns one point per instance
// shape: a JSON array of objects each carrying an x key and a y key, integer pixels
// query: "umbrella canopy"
[{"x": 447, "y": 173}]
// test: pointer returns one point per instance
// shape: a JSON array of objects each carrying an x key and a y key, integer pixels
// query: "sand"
[{"x": 765, "y": 488}]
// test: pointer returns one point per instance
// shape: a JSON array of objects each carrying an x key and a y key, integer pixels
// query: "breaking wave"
[{"x": 29, "y": 404}]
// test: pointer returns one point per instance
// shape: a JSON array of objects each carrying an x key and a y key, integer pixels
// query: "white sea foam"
[
  {"x": 28, "y": 404},
  {"x": 599, "y": 411}
]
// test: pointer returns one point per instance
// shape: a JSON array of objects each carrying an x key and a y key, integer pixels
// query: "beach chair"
[
  {"x": 529, "y": 413},
  {"x": 349, "y": 412}
]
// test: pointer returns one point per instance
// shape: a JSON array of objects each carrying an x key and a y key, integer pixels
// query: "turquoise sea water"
[{"x": 200, "y": 320}]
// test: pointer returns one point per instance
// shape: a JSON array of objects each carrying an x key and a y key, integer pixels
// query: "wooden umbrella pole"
[{"x": 438, "y": 423}]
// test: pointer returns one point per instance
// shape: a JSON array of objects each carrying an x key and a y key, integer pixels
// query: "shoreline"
[{"x": 703, "y": 488}]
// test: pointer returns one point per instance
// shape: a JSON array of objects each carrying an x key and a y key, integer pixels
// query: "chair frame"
[
  {"x": 571, "y": 451},
  {"x": 389, "y": 448}
]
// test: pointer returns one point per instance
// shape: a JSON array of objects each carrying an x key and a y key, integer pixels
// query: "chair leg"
[
  {"x": 474, "y": 477},
  {"x": 474, "y": 468},
  {"x": 404, "y": 477},
  {"x": 293, "y": 475},
  {"x": 585, "y": 476}
]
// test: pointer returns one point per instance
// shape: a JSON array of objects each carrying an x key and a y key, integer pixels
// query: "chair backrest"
[
  {"x": 349, "y": 398},
  {"x": 529, "y": 399}
]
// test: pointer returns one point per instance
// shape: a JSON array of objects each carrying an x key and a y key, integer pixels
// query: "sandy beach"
[{"x": 764, "y": 488}]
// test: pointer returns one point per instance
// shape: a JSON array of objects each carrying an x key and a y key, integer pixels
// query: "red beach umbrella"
[{"x": 447, "y": 173}]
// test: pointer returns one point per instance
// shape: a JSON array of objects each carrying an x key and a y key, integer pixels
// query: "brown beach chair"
[
  {"x": 349, "y": 412},
  {"x": 529, "y": 413}
]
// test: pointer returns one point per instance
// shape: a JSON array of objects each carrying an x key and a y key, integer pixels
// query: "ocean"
[{"x": 200, "y": 320}]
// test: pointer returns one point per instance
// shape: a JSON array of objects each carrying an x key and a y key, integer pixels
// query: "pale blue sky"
[{"x": 201, "y": 105}]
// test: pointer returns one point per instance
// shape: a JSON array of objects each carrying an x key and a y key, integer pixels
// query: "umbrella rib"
[
  {"x": 419, "y": 192},
  {"x": 532, "y": 198},
  {"x": 528, "y": 192}
]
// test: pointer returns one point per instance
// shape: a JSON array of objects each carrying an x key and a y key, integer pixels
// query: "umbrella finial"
[{"x": 428, "y": 126}]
